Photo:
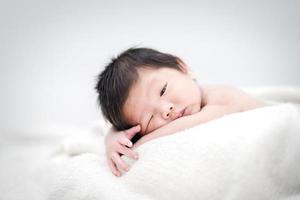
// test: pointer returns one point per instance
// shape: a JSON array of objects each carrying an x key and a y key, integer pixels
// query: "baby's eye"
[{"x": 164, "y": 89}]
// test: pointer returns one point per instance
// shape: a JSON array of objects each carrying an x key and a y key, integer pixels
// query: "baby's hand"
[{"x": 117, "y": 143}]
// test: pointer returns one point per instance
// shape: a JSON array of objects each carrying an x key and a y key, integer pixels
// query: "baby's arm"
[
  {"x": 207, "y": 113},
  {"x": 221, "y": 101}
]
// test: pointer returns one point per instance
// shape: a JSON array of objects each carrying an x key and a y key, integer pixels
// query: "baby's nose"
[{"x": 169, "y": 113}]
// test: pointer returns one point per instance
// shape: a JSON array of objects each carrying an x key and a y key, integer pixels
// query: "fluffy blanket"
[{"x": 249, "y": 155}]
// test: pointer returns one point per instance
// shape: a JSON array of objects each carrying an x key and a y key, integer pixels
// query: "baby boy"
[{"x": 147, "y": 94}]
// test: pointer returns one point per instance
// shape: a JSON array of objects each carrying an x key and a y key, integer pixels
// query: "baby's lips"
[{"x": 188, "y": 111}]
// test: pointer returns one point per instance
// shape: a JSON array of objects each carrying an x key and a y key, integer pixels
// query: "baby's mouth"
[{"x": 182, "y": 112}]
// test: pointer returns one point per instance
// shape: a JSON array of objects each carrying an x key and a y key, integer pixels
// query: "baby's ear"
[{"x": 185, "y": 69}]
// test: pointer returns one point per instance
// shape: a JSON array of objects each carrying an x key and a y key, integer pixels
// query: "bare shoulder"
[
  {"x": 228, "y": 95},
  {"x": 219, "y": 94}
]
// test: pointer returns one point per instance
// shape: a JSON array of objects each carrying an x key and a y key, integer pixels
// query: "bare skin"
[
  {"x": 216, "y": 101},
  {"x": 119, "y": 143}
]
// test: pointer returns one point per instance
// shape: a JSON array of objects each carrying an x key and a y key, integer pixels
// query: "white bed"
[{"x": 263, "y": 162}]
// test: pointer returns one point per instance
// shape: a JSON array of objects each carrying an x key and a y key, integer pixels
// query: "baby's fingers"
[
  {"x": 125, "y": 141},
  {"x": 130, "y": 133},
  {"x": 113, "y": 167},
  {"x": 119, "y": 162},
  {"x": 129, "y": 153}
]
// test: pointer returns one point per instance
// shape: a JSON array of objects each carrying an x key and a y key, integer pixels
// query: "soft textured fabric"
[{"x": 248, "y": 155}]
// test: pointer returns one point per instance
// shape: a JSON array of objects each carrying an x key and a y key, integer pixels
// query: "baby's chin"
[
  {"x": 149, "y": 132},
  {"x": 155, "y": 129}
]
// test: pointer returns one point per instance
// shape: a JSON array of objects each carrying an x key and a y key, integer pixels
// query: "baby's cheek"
[{"x": 156, "y": 124}]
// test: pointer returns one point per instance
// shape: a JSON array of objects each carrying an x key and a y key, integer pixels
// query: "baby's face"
[{"x": 160, "y": 96}]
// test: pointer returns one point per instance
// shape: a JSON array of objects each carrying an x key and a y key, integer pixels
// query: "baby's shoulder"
[{"x": 221, "y": 94}]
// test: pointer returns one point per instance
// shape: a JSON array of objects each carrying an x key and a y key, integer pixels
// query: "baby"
[{"x": 147, "y": 94}]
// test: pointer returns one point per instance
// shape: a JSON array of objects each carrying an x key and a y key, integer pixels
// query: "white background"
[{"x": 51, "y": 51}]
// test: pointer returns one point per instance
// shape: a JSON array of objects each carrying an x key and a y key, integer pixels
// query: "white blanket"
[{"x": 249, "y": 155}]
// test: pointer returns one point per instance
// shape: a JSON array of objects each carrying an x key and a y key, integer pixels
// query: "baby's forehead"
[
  {"x": 146, "y": 77},
  {"x": 141, "y": 88},
  {"x": 145, "y": 70},
  {"x": 139, "y": 96},
  {"x": 149, "y": 75}
]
